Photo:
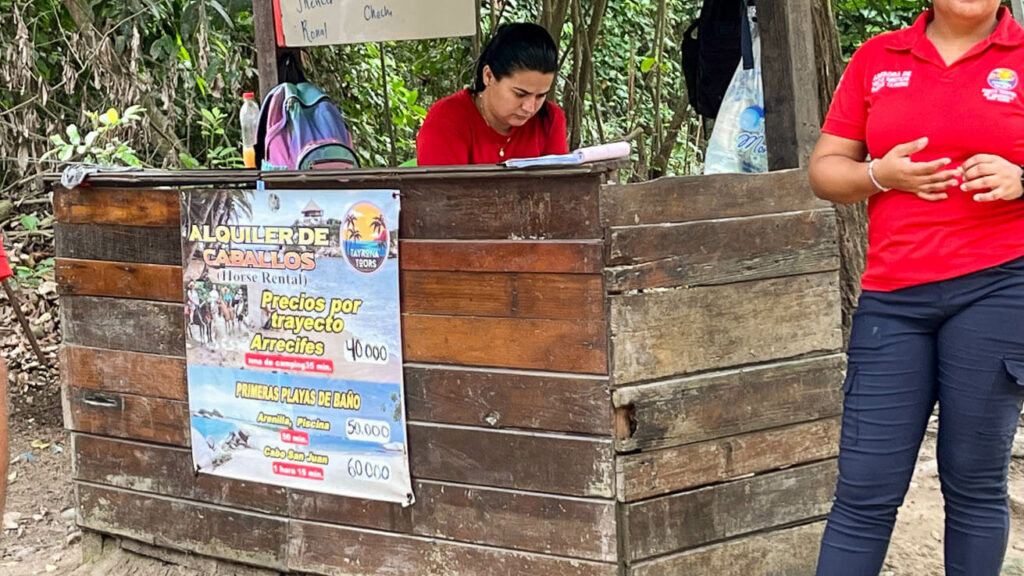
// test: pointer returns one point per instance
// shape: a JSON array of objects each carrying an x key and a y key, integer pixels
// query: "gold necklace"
[
  {"x": 501, "y": 151},
  {"x": 480, "y": 108}
]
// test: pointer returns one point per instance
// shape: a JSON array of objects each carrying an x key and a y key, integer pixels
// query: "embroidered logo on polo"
[
  {"x": 1002, "y": 82},
  {"x": 890, "y": 79}
]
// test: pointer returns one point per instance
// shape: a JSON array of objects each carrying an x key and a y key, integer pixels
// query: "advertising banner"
[{"x": 293, "y": 339}]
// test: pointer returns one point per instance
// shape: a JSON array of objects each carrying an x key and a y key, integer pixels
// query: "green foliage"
[
  {"x": 103, "y": 144},
  {"x": 217, "y": 150},
  {"x": 858, "y": 20},
  {"x": 33, "y": 275},
  {"x": 418, "y": 73},
  {"x": 63, "y": 58},
  {"x": 29, "y": 222},
  {"x": 640, "y": 84},
  {"x": 186, "y": 62}
]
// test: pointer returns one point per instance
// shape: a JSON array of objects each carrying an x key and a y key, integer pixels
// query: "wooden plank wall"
[
  {"x": 723, "y": 303},
  {"x": 509, "y": 405}
]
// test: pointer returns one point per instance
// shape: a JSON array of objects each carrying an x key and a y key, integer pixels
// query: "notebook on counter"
[{"x": 599, "y": 153}]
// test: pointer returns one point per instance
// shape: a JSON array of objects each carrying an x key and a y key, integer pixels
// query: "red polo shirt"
[
  {"x": 897, "y": 89},
  {"x": 454, "y": 133}
]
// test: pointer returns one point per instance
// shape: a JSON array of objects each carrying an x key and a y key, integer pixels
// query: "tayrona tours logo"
[
  {"x": 365, "y": 237},
  {"x": 1002, "y": 79},
  {"x": 1002, "y": 83}
]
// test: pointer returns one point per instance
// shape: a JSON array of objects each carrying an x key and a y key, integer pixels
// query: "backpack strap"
[
  {"x": 746, "y": 38},
  {"x": 261, "y": 125}
]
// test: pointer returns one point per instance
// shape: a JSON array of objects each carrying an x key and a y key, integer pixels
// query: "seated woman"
[{"x": 506, "y": 114}]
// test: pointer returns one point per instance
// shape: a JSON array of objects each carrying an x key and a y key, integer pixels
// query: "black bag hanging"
[{"x": 710, "y": 58}]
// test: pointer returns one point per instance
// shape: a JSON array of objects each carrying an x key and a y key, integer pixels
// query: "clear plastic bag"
[{"x": 737, "y": 141}]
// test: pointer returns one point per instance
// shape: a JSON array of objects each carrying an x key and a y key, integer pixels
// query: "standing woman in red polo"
[
  {"x": 928, "y": 126},
  {"x": 505, "y": 114}
]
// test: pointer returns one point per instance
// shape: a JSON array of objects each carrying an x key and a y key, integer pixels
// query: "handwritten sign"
[{"x": 324, "y": 22}]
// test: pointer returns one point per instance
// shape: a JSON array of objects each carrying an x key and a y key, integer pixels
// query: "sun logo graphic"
[
  {"x": 365, "y": 237},
  {"x": 1002, "y": 79}
]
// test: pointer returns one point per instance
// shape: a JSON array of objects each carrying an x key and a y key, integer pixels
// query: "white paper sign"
[{"x": 324, "y": 22}]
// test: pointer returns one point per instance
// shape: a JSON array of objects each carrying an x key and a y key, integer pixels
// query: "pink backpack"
[{"x": 300, "y": 128}]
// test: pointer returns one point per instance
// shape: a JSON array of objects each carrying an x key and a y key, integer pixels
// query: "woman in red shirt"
[
  {"x": 505, "y": 114},
  {"x": 939, "y": 107}
]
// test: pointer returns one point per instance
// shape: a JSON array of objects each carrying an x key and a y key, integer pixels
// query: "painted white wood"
[{"x": 324, "y": 22}]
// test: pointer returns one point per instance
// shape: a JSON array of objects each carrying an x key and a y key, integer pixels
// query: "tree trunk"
[
  {"x": 852, "y": 219},
  {"x": 584, "y": 40},
  {"x": 552, "y": 17}
]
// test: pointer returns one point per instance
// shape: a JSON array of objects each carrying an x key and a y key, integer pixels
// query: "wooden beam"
[
  {"x": 266, "y": 44},
  {"x": 793, "y": 551},
  {"x": 576, "y": 528},
  {"x": 642, "y": 475},
  {"x": 660, "y": 334},
  {"x": 762, "y": 503},
  {"x": 684, "y": 411},
  {"x": 790, "y": 81},
  {"x": 268, "y": 53},
  {"x": 720, "y": 251}
]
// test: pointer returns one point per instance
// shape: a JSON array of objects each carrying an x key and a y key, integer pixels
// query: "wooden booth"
[{"x": 601, "y": 379}]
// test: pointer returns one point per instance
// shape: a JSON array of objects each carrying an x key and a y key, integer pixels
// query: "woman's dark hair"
[{"x": 516, "y": 47}]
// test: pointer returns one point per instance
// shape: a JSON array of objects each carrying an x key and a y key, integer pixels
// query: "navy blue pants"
[{"x": 959, "y": 342}]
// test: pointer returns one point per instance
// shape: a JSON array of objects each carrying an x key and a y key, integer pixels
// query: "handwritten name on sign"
[{"x": 320, "y": 22}]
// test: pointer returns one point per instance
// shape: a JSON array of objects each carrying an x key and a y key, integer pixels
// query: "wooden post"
[
  {"x": 267, "y": 51},
  {"x": 5, "y": 454},
  {"x": 790, "y": 81}
]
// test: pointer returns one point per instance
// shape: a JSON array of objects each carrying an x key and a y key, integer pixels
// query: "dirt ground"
[
  {"x": 916, "y": 548},
  {"x": 39, "y": 533}
]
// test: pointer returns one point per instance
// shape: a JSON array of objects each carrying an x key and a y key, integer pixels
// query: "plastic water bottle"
[{"x": 249, "y": 116}]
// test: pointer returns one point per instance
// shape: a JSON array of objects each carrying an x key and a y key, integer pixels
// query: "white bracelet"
[{"x": 871, "y": 174}]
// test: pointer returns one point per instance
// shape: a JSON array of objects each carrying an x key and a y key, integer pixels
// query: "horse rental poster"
[{"x": 293, "y": 339}]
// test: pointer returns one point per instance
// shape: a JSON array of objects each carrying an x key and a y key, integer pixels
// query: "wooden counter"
[{"x": 601, "y": 379}]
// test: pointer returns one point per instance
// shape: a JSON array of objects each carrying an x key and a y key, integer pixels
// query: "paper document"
[{"x": 597, "y": 153}]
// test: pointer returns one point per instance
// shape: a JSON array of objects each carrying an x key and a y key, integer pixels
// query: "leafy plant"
[
  {"x": 29, "y": 221},
  {"x": 858, "y": 20},
  {"x": 32, "y": 276},
  {"x": 179, "y": 58},
  {"x": 103, "y": 144},
  {"x": 219, "y": 153}
]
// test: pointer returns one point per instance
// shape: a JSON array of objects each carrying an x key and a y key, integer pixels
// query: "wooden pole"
[
  {"x": 267, "y": 51},
  {"x": 5, "y": 454},
  {"x": 790, "y": 79},
  {"x": 13, "y": 299}
]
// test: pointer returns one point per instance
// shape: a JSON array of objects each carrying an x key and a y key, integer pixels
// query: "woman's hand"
[
  {"x": 925, "y": 179},
  {"x": 993, "y": 173}
]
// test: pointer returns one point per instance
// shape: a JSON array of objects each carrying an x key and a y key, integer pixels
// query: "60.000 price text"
[{"x": 368, "y": 470}]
